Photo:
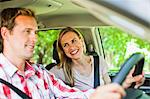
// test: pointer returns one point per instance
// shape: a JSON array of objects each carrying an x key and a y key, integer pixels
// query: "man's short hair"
[{"x": 9, "y": 15}]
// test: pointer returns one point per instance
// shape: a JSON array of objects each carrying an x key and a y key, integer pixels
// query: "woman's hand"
[
  {"x": 139, "y": 80},
  {"x": 110, "y": 91}
]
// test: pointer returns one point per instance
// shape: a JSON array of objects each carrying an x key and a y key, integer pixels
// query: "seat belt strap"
[
  {"x": 96, "y": 71},
  {"x": 18, "y": 91}
]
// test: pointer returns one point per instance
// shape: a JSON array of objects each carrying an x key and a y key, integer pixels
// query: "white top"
[{"x": 85, "y": 82}]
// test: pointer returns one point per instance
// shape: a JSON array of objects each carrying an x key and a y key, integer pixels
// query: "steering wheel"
[{"x": 136, "y": 60}]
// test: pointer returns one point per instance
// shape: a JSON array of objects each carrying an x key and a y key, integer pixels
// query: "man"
[{"x": 18, "y": 34}]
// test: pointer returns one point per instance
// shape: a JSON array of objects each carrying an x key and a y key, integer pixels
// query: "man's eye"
[
  {"x": 28, "y": 31},
  {"x": 36, "y": 32}
]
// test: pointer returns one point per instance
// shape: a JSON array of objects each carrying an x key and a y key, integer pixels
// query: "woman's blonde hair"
[{"x": 65, "y": 62}]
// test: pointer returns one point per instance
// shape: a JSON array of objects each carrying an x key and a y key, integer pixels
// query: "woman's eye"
[
  {"x": 74, "y": 41},
  {"x": 65, "y": 45}
]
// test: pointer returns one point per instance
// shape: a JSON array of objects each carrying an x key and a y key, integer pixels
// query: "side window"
[
  {"x": 44, "y": 47},
  {"x": 118, "y": 46}
]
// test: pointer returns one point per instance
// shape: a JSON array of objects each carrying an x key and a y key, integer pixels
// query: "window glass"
[
  {"x": 118, "y": 46},
  {"x": 44, "y": 47}
]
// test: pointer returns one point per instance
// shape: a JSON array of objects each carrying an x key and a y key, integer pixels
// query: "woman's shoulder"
[
  {"x": 102, "y": 63},
  {"x": 58, "y": 72},
  {"x": 56, "y": 69}
]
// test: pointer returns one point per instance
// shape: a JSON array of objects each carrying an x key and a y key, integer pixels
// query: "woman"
[{"x": 76, "y": 67}]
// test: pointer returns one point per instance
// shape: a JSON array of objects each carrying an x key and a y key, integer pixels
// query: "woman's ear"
[{"x": 4, "y": 32}]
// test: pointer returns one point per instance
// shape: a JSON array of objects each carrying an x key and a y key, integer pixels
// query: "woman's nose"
[{"x": 71, "y": 46}]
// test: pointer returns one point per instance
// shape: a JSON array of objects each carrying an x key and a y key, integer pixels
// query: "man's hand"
[
  {"x": 110, "y": 91},
  {"x": 139, "y": 80}
]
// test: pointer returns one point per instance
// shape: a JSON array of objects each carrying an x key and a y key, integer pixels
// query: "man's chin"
[{"x": 29, "y": 56}]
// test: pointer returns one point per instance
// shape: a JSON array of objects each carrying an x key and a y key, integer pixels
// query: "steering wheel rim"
[{"x": 136, "y": 59}]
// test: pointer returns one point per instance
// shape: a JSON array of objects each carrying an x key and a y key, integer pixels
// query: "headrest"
[{"x": 55, "y": 53}]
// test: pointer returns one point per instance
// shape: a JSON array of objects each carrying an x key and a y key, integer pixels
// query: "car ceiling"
[
  {"x": 55, "y": 13},
  {"x": 129, "y": 15},
  {"x": 82, "y": 13}
]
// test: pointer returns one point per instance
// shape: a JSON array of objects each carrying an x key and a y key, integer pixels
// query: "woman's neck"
[
  {"x": 83, "y": 61},
  {"x": 83, "y": 65}
]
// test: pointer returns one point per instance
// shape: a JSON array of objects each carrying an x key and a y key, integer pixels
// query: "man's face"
[{"x": 22, "y": 38}]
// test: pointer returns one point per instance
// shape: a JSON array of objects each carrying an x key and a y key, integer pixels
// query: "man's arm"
[
  {"x": 60, "y": 89},
  {"x": 110, "y": 91}
]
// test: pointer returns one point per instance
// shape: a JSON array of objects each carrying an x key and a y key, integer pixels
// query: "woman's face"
[{"x": 72, "y": 45}]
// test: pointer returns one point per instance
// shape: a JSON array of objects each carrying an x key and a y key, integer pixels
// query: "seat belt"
[
  {"x": 18, "y": 91},
  {"x": 96, "y": 71}
]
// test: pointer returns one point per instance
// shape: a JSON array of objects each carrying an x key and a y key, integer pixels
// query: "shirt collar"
[
  {"x": 11, "y": 69},
  {"x": 29, "y": 70}
]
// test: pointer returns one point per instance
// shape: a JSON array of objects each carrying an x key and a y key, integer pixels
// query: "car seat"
[
  {"x": 55, "y": 57},
  {"x": 91, "y": 50}
]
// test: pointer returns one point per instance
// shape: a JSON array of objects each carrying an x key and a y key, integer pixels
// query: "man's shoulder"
[
  {"x": 3, "y": 73},
  {"x": 40, "y": 67},
  {"x": 37, "y": 66}
]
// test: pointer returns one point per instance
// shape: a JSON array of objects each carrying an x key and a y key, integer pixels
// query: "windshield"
[{"x": 119, "y": 45}]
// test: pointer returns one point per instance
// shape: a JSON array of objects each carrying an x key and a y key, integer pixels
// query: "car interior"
[{"x": 102, "y": 24}]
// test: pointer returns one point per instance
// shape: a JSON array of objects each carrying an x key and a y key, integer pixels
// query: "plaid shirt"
[{"x": 36, "y": 83}]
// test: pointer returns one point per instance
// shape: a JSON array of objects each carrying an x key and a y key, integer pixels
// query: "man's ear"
[{"x": 4, "y": 32}]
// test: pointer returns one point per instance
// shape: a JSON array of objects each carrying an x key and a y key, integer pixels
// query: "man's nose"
[{"x": 34, "y": 37}]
